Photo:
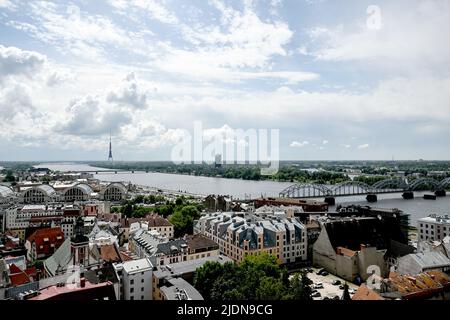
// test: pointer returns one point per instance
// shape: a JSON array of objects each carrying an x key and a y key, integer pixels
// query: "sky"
[{"x": 340, "y": 80}]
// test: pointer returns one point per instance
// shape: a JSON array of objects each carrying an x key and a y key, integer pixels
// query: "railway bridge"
[{"x": 355, "y": 188}]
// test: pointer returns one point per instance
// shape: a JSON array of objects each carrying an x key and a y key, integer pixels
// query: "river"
[{"x": 242, "y": 189}]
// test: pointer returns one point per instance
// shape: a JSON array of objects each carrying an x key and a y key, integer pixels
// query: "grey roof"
[
  {"x": 60, "y": 259},
  {"x": 427, "y": 260},
  {"x": 48, "y": 190},
  {"x": 181, "y": 268},
  {"x": 118, "y": 185},
  {"x": 86, "y": 189},
  {"x": 180, "y": 289},
  {"x": 168, "y": 247},
  {"x": 5, "y": 191}
]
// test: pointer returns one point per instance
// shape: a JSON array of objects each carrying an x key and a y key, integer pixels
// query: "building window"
[
  {"x": 131, "y": 290},
  {"x": 132, "y": 281}
]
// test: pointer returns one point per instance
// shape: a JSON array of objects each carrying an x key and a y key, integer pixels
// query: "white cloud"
[
  {"x": 129, "y": 94},
  {"x": 296, "y": 144},
  {"x": 7, "y": 4},
  {"x": 412, "y": 36},
  {"x": 71, "y": 30},
  {"x": 154, "y": 8},
  {"x": 325, "y": 142},
  {"x": 14, "y": 61},
  {"x": 363, "y": 146}
]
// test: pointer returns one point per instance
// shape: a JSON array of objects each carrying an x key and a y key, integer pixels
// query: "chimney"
[{"x": 82, "y": 282}]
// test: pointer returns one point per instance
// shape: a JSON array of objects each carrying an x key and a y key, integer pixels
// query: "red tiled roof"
[
  {"x": 44, "y": 238},
  {"x": 17, "y": 276}
]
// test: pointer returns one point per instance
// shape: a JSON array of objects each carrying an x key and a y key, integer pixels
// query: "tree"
[
  {"x": 9, "y": 177},
  {"x": 206, "y": 276},
  {"x": 270, "y": 289},
  {"x": 183, "y": 220},
  {"x": 300, "y": 287},
  {"x": 257, "y": 278},
  {"x": 127, "y": 210}
]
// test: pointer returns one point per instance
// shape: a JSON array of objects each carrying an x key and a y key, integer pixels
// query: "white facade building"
[
  {"x": 136, "y": 279},
  {"x": 434, "y": 227}
]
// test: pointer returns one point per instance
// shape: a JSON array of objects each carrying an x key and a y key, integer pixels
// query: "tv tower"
[{"x": 110, "y": 157}]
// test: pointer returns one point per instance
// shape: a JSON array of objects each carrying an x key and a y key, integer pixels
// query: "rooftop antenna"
[{"x": 110, "y": 157}]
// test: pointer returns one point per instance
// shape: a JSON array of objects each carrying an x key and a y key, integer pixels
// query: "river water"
[{"x": 242, "y": 189}]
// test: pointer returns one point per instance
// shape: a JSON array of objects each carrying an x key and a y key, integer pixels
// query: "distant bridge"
[
  {"x": 115, "y": 171},
  {"x": 353, "y": 188}
]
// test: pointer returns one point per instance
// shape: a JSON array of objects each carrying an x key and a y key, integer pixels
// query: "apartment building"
[
  {"x": 239, "y": 235},
  {"x": 136, "y": 278},
  {"x": 434, "y": 227}
]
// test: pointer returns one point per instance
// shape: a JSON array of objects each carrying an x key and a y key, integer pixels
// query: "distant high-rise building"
[{"x": 218, "y": 161}]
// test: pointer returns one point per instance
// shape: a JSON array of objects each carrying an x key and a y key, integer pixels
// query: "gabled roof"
[
  {"x": 17, "y": 276},
  {"x": 110, "y": 253},
  {"x": 365, "y": 293},
  {"x": 421, "y": 285},
  {"x": 431, "y": 259},
  {"x": 45, "y": 238},
  {"x": 59, "y": 260}
]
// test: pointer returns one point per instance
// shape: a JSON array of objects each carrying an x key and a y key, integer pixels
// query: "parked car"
[
  {"x": 352, "y": 291},
  {"x": 316, "y": 295},
  {"x": 336, "y": 298},
  {"x": 342, "y": 287},
  {"x": 336, "y": 283},
  {"x": 324, "y": 273},
  {"x": 318, "y": 286}
]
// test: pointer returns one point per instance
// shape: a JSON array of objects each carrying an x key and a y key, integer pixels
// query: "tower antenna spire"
[{"x": 110, "y": 157}]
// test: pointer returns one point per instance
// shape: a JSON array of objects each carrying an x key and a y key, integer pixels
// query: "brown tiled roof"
[
  {"x": 109, "y": 253},
  {"x": 365, "y": 293},
  {"x": 198, "y": 241},
  {"x": 421, "y": 285},
  {"x": 345, "y": 252},
  {"x": 125, "y": 257},
  {"x": 54, "y": 235}
]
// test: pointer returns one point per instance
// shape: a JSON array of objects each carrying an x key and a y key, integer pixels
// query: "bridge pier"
[
  {"x": 372, "y": 198},
  {"x": 331, "y": 201},
  {"x": 408, "y": 195},
  {"x": 429, "y": 197},
  {"x": 440, "y": 193}
]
